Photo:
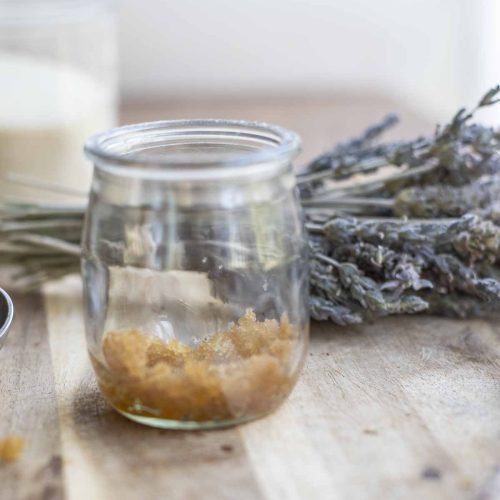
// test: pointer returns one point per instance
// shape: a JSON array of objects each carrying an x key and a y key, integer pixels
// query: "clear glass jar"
[
  {"x": 58, "y": 85},
  {"x": 195, "y": 271}
]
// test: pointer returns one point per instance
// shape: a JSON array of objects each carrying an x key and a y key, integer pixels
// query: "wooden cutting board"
[{"x": 405, "y": 408}]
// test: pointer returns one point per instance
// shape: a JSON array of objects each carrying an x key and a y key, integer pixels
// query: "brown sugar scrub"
[
  {"x": 243, "y": 372},
  {"x": 11, "y": 448}
]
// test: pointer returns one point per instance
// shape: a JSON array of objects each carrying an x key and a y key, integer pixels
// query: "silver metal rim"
[{"x": 10, "y": 314}]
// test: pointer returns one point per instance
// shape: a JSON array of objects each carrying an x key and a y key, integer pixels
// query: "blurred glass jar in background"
[
  {"x": 195, "y": 271},
  {"x": 58, "y": 85}
]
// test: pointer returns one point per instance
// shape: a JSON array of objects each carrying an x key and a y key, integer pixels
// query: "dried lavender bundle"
[
  {"x": 41, "y": 242},
  {"x": 420, "y": 236},
  {"x": 456, "y": 155},
  {"x": 377, "y": 268},
  {"x": 434, "y": 243}
]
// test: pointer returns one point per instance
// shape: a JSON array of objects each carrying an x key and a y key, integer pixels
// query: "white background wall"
[{"x": 436, "y": 54}]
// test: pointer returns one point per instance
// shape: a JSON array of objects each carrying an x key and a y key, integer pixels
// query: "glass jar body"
[
  {"x": 196, "y": 295},
  {"x": 58, "y": 62}
]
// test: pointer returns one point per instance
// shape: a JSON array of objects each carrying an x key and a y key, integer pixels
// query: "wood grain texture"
[
  {"x": 404, "y": 408},
  {"x": 28, "y": 406},
  {"x": 407, "y": 408}
]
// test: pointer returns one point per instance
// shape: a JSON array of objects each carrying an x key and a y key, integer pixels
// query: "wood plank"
[
  {"x": 28, "y": 407},
  {"x": 388, "y": 417},
  {"x": 405, "y": 408}
]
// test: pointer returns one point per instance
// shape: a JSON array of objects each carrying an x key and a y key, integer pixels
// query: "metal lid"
[{"x": 6, "y": 315}]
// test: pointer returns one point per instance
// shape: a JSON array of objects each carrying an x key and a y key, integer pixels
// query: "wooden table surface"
[{"x": 405, "y": 408}]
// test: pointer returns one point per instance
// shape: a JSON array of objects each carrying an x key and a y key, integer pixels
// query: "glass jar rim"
[{"x": 282, "y": 146}]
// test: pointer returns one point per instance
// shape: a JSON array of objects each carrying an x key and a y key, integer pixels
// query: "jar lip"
[{"x": 281, "y": 146}]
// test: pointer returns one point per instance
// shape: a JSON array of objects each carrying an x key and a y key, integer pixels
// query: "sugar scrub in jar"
[
  {"x": 195, "y": 271},
  {"x": 57, "y": 86}
]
